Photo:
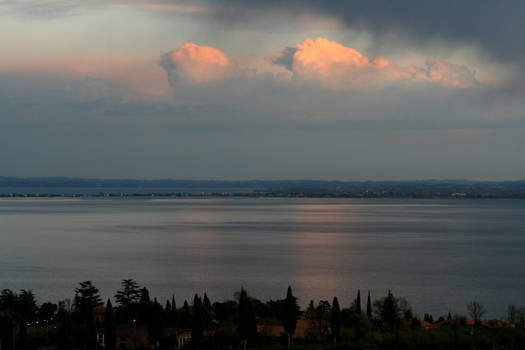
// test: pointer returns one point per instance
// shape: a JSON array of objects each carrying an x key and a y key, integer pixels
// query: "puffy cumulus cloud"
[
  {"x": 198, "y": 64},
  {"x": 335, "y": 65},
  {"x": 329, "y": 83},
  {"x": 317, "y": 62}
]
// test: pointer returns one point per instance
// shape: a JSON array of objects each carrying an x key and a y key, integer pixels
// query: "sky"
[{"x": 252, "y": 89}]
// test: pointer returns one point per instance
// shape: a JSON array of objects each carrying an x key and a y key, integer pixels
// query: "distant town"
[{"x": 83, "y": 188}]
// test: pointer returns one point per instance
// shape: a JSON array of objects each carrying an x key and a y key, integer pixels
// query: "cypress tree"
[
  {"x": 184, "y": 320},
  {"x": 290, "y": 314},
  {"x": 335, "y": 321},
  {"x": 144, "y": 296},
  {"x": 174, "y": 319},
  {"x": 167, "y": 314},
  {"x": 369, "y": 306},
  {"x": 246, "y": 323},
  {"x": 358, "y": 303},
  {"x": 206, "y": 312},
  {"x": 155, "y": 322},
  {"x": 109, "y": 328},
  {"x": 196, "y": 321},
  {"x": 144, "y": 308}
]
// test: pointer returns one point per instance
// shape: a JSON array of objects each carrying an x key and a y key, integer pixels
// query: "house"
[
  {"x": 302, "y": 328},
  {"x": 179, "y": 335},
  {"x": 131, "y": 337},
  {"x": 100, "y": 313}
]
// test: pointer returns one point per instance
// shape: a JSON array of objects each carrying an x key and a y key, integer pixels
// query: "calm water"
[{"x": 439, "y": 254}]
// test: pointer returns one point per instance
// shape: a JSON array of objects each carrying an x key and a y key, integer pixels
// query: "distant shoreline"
[
  {"x": 79, "y": 188},
  {"x": 203, "y": 195}
]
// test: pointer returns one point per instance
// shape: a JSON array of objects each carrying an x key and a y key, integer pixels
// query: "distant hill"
[{"x": 278, "y": 188}]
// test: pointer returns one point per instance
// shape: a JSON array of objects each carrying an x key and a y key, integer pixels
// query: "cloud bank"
[
  {"x": 316, "y": 61},
  {"x": 495, "y": 27},
  {"x": 323, "y": 83},
  {"x": 325, "y": 111},
  {"x": 334, "y": 64}
]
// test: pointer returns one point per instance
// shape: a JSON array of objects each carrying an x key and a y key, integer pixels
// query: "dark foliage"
[
  {"x": 109, "y": 327},
  {"x": 246, "y": 322},
  {"x": 335, "y": 319},
  {"x": 289, "y": 315},
  {"x": 23, "y": 326},
  {"x": 197, "y": 321}
]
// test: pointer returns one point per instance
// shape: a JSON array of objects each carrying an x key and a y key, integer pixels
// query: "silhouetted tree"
[
  {"x": 357, "y": 303},
  {"x": 369, "y": 306},
  {"x": 109, "y": 327},
  {"x": 449, "y": 316},
  {"x": 26, "y": 310},
  {"x": 335, "y": 319},
  {"x": 9, "y": 318},
  {"x": 155, "y": 322},
  {"x": 322, "y": 313},
  {"x": 130, "y": 293},
  {"x": 47, "y": 311},
  {"x": 310, "y": 313},
  {"x": 428, "y": 318},
  {"x": 196, "y": 321},
  {"x": 512, "y": 313},
  {"x": 86, "y": 298},
  {"x": 388, "y": 311},
  {"x": 173, "y": 318},
  {"x": 246, "y": 322},
  {"x": 207, "y": 312},
  {"x": 476, "y": 310},
  {"x": 226, "y": 312},
  {"x": 185, "y": 316},
  {"x": 167, "y": 308},
  {"x": 144, "y": 296},
  {"x": 405, "y": 309},
  {"x": 27, "y": 305},
  {"x": 290, "y": 314},
  {"x": 142, "y": 313},
  {"x": 66, "y": 331}
]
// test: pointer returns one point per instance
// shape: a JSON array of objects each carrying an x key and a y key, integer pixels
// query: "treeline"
[{"x": 384, "y": 323}]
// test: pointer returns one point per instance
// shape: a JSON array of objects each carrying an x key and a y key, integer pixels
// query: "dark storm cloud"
[{"x": 496, "y": 26}]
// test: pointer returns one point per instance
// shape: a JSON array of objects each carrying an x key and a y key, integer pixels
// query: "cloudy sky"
[{"x": 231, "y": 89}]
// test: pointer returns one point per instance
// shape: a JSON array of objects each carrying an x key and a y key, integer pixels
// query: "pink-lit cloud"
[
  {"x": 198, "y": 64},
  {"x": 335, "y": 65}
]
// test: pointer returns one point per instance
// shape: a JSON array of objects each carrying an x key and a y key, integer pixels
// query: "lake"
[{"x": 438, "y": 254}]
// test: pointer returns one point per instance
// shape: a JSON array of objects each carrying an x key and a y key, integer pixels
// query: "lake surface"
[{"x": 438, "y": 254}]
